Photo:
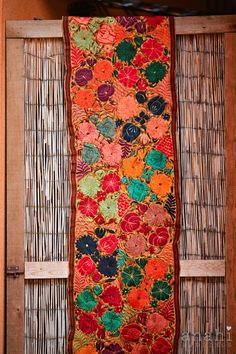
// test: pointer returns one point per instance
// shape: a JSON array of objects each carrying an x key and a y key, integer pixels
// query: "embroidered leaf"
[
  {"x": 141, "y": 262},
  {"x": 82, "y": 169},
  {"x": 122, "y": 256},
  {"x": 76, "y": 58},
  {"x": 168, "y": 311},
  {"x": 170, "y": 206},
  {"x": 125, "y": 147},
  {"x": 80, "y": 340},
  {"x": 128, "y": 312}
]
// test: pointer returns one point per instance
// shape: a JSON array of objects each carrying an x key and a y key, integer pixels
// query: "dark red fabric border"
[
  {"x": 73, "y": 185},
  {"x": 177, "y": 189}
]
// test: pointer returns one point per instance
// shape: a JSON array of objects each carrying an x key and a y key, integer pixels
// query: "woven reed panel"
[{"x": 200, "y": 62}]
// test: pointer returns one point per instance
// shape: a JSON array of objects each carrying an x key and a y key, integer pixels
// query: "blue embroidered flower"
[
  {"x": 107, "y": 128},
  {"x": 157, "y": 105},
  {"x": 90, "y": 153},
  {"x": 156, "y": 159},
  {"x": 107, "y": 265},
  {"x": 130, "y": 132},
  {"x": 86, "y": 245},
  {"x": 138, "y": 190}
]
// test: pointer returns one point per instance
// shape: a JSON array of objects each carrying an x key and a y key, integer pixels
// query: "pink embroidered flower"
[
  {"x": 131, "y": 222},
  {"x": 156, "y": 323},
  {"x": 87, "y": 323},
  {"x": 82, "y": 20},
  {"x": 155, "y": 214},
  {"x": 136, "y": 245},
  {"x": 157, "y": 127},
  {"x": 108, "y": 244},
  {"x": 127, "y": 107},
  {"x": 112, "y": 153},
  {"x": 152, "y": 49},
  {"x": 86, "y": 265},
  {"x": 111, "y": 183},
  {"x": 105, "y": 35},
  {"x": 88, "y": 207},
  {"x": 87, "y": 133},
  {"x": 144, "y": 138},
  {"x": 128, "y": 76},
  {"x": 111, "y": 295}
]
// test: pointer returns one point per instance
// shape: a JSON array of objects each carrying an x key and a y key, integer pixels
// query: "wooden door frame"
[{"x": 16, "y": 32}]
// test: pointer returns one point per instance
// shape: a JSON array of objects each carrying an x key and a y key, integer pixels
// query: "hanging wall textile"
[{"x": 125, "y": 206}]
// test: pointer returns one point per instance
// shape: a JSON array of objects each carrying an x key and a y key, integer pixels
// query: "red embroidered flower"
[
  {"x": 96, "y": 276},
  {"x": 87, "y": 323},
  {"x": 160, "y": 237},
  {"x": 142, "y": 84},
  {"x": 154, "y": 20},
  {"x": 99, "y": 219},
  {"x": 152, "y": 49},
  {"x": 161, "y": 346},
  {"x": 156, "y": 323},
  {"x": 139, "y": 60},
  {"x": 145, "y": 229},
  {"x": 86, "y": 265},
  {"x": 108, "y": 244},
  {"x": 128, "y": 76},
  {"x": 131, "y": 222},
  {"x": 101, "y": 196},
  {"x": 131, "y": 332},
  {"x": 111, "y": 183},
  {"x": 88, "y": 207},
  {"x": 112, "y": 296}
]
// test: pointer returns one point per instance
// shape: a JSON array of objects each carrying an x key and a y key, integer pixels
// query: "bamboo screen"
[{"x": 200, "y": 63}]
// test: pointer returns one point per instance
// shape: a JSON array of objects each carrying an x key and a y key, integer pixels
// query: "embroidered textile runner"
[{"x": 125, "y": 206}]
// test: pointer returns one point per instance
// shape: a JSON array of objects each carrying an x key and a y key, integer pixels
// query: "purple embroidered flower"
[
  {"x": 127, "y": 21},
  {"x": 82, "y": 76},
  {"x": 91, "y": 61},
  {"x": 113, "y": 349},
  {"x": 140, "y": 27},
  {"x": 105, "y": 91}
]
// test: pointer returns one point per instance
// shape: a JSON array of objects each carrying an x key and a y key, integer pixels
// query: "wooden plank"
[
  {"x": 15, "y": 194},
  {"x": 183, "y": 26},
  {"x": 230, "y": 159},
  {"x": 188, "y": 268}
]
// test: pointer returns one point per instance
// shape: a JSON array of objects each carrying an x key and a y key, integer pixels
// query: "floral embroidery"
[{"x": 122, "y": 136}]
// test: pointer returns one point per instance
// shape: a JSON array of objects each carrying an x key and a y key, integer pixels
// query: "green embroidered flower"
[
  {"x": 138, "y": 190},
  {"x": 109, "y": 207},
  {"x": 125, "y": 51},
  {"x": 89, "y": 185},
  {"x": 112, "y": 321},
  {"x": 90, "y": 153},
  {"x": 86, "y": 301},
  {"x": 107, "y": 128},
  {"x": 125, "y": 180},
  {"x": 156, "y": 159},
  {"x": 131, "y": 276},
  {"x": 155, "y": 72},
  {"x": 83, "y": 39},
  {"x": 161, "y": 290},
  {"x": 153, "y": 197}
]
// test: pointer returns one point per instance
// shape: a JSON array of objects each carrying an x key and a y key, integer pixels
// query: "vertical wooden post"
[
  {"x": 15, "y": 195},
  {"x": 230, "y": 151}
]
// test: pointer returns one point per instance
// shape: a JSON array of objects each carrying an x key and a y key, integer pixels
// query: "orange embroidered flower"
[
  {"x": 133, "y": 167},
  {"x": 127, "y": 107},
  {"x": 103, "y": 70},
  {"x": 160, "y": 184},
  {"x": 156, "y": 269},
  {"x": 87, "y": 349},
  {"x": 84, "y": 98},
  {"x": 138, "y": 298},
  {"x": 157, "y": 127}
]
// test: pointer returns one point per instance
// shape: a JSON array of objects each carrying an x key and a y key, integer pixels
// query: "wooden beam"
[
  {"x": 188, "y": 268},
  {"x": 15, "y": 195},
  {"x": 183, "y": 25},
  {"x": 230, "y": 163}
]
